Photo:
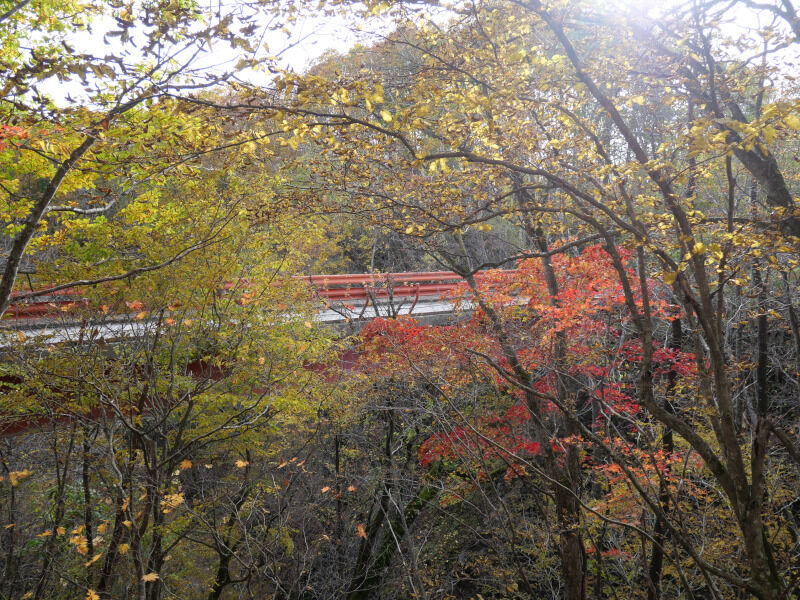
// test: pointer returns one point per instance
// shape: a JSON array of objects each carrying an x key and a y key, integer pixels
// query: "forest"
[{"x": 609, "y": 410}]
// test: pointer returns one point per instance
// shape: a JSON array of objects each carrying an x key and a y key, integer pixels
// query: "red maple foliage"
[{"x": 589, "y": 316}]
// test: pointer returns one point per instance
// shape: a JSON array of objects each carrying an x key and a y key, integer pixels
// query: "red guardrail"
[
  {"x": 364, "y": 286},
  {"x": 355, "y": 286},
  {"x": 51, "y": 304}
]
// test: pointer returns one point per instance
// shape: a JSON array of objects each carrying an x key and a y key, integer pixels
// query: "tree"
[
  {"x": 162, "y": 424},
  {"x": 161, "y": 397},
  {"x": 507, "y": 114},
  {"x": 87, "y": 133},
  {"x": 547, "y": 343}
]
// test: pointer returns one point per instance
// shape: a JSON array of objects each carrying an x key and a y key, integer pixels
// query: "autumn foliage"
[{"x": 604, "y": 405}]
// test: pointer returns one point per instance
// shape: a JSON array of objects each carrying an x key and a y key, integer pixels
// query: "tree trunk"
[{"x": 668, "y": 443}]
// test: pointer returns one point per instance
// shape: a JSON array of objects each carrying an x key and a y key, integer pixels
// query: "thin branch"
[
  {"x": 524, "y": 255},
  {"x": 127, "y": 275},
  {"x": 81, "y": 211},
  {"x": 14, "y": 10}
]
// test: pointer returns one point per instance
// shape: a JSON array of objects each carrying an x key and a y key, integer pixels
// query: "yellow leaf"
[
  {"x": 308, "y": 324},
  {"x": 141, "y": 316},
  {"x": 386, "y": 116},
  {"x": 185, "y": 464},
  {"x": 792, "y": 122},
  {"x": 150, "y": 577},
  {"x": 61, "y": 531},
  {"x": 123, "y": 548},
  {"x": 242, "y": 463},
  {"x": 45, "y": 534},
  {"x": 171, "y": 501},
  {"x": 92, "y": 595},
  {"x": 15, "y": 476},
  {"x": 95, "y": 558},
  {"x": 378, "y": 95},
  {"x": 102, "y": 528},
  {"x": 21, "y": 336},
  {"x": 669, "y": 278}
]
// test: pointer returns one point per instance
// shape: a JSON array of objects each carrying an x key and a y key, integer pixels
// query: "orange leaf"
[
  {"x": 326, "y": 489},
  {"x": 94, "y": 560},
  {"x": 361, "y": 532}
]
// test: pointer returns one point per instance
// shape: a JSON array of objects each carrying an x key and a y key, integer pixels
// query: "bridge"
[
  {"x": 361, "y": 297},
  {"x": 343, "y": 301}
]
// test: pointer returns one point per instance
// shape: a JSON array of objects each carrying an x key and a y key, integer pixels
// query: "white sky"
[{"x": 307, "y": 39}]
